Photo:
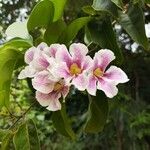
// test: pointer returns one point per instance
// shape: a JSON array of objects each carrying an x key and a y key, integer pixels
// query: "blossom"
[
  {"x": 53, "y": 69},
  {"x": 102, "y": 79},
  {"x": 37, "y": 61},
  {"x": 73, "y": 66},
  {"x": 51, "y": 100}
]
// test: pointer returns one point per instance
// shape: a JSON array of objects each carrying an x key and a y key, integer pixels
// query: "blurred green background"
[{"x": 128, "y": 124}]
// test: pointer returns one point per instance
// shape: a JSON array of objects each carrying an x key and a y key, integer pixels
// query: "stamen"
[{"x": 74, "y": 69}]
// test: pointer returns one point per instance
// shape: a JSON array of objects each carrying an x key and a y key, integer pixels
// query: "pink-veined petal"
[
  {"x": 41, "y": 46},
  {"x": 61, "y": 70},
  {"x": 78, "y": 52},
  {"x": 42, "y": 83},
  {"x": 109, "y": 88},
  {"x": 43, "y": 99},
  {"x": 91, "y": 86},
  {"x": 80, "y": 82},
  {"x": 51, "y": 51},
  {"x": 40, "y": 61},
  {"x": 54, "y": 104},
  {"x": 28, "y": 72},
  {"x": 102, "y": 58},
  {"x": 65, "y": 91},
  {"x": 29, "y": 55},
  {"x": 116, "y": 74},
  {"x": 63, "y": 56},
  {"x": 87, "y": 63}
]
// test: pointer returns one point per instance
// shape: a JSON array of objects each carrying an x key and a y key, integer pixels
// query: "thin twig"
[{"x": 22, "y": 116}]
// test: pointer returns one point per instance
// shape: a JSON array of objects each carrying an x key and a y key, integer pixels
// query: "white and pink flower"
[
  {"x": 54, "y": 69},
  {"x": 73, "y": 66},
  {"x": 102, "y": 79},
  {"x": 51, "y": 100}
]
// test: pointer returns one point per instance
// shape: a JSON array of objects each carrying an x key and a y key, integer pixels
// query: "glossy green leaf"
[
  {"x": 8, "y": 60},
  {"x": 54, "y": 31},
  {"x": 102, "y": 34},
  {"x": 18, "y": 44},
  {"x": 133, "y": 23},
  {"x": 119, "y": 3},
  {"x": 33, "y": 135},
  {"x": 71, "y": 31},
  {"x": 61, "y": 123},
  {"x": 105, "y": 6},
  {"x": 97, "y": 113},
  {"x": 21, "y": 138},
  {"x": 41, "y": 15},
  {"x": 89, "y": 10},
  {"x": 58, "y": 8},
  {"x": 18, "y": 29}
]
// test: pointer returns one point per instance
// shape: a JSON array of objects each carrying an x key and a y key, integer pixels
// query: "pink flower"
[
  {"x": 37, "y": 61},
  {"x": 51, "y": 51},
  {"x": 102, "y": 79},
  {"x": 51, "y": 100},
  {"x": 44, "y": 82},
  {"x": 73, "y": 66}
]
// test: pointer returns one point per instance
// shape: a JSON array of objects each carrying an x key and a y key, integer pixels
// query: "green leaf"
[
  {"x": 33, "y": 136},
  {"x": 6, "y": 142},
  {"x": 119, "y": 3},
  {"x": 8, "y": 60},
  {"x": 133, "y": 23},
  {"x": 97, "y": 113},
  {"x": 18, "y": 44},
  {"x": 41, "y": 15},
  {"x": 89, "y": 10},
  {"x": 71, "y": 31},
  {"x": 21, "y": 138},
  {"x": 105, "y": 6},
  {"x": 58, "y": 8},
  {"x": 102, "y": 34},
  {"x": 18, "y": 29},
  {"x": 54, "y": 31},
  {"x": 61, "y": 123},
  {"x": 147, "y": 1}
]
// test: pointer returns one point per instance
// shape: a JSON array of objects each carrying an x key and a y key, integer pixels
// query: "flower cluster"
[{"x": 54, "y": 69}]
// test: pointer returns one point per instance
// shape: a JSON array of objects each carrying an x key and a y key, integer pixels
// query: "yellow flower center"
[
  {"x": 74, "y": 69},
  {"x": 58, "y": 86},
  {"x": 98, "y": 72}
]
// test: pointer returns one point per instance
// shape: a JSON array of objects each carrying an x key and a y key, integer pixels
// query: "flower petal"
[
  {"x": 91, "y": 87},
  {"x": 87, "y": 63},
  {"x": 65, "y": 91},
  {"x": 54, "y": 104},
  {"x": 109, "y": 88},
  {"x": 51, "y": 51},
  {"x": 29, "y": 55},
  {"x": 78, "y": 52},
  {"x": 28, "y": 72},
  {"x": 102, "y": 58},
  {"x": 41, "y": 46},
  {"x": 42, "y": 83},
  {"x": 63, "y": 56},
  {"x": 80, "y": 82},
  {"x": 116, "y": 74},
  {"x": 43, "y": 99},
  {"x": 61, "y": 70},
  {"x": 40, "y": 61}
]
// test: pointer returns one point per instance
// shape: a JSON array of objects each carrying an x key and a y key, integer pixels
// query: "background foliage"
[{"x": 127, "y": 125}]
